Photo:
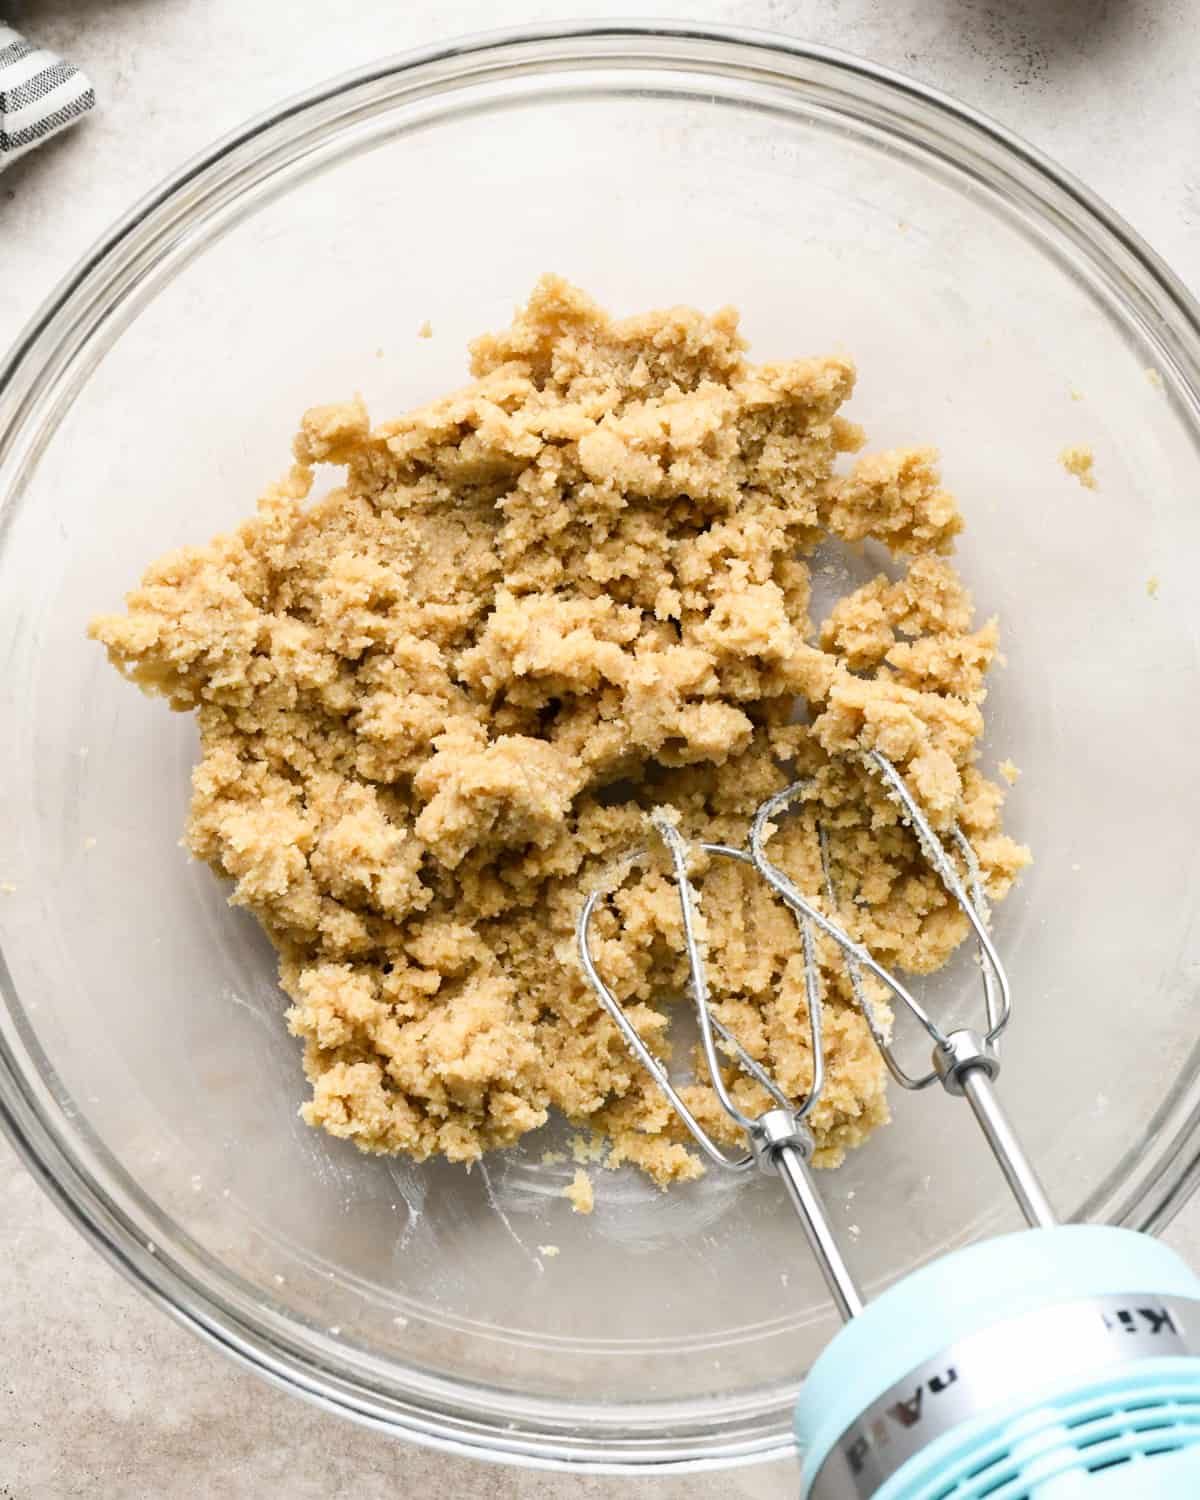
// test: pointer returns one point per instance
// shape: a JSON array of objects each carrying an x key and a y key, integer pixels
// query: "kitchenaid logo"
[
  {"x": 899, "y": 1416},
  {"x": 896, "y": 1417},
  {"x": 1140, "y": 1320}
]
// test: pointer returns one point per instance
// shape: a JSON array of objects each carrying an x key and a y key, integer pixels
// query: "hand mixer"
[{"x": 1059, "y": 1363}]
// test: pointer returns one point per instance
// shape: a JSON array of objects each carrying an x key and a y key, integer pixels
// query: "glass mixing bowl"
[{"x": 994, "y": 308}]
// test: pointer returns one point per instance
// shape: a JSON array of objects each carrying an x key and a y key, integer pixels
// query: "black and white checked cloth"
[{"x": 40, "y": 95}]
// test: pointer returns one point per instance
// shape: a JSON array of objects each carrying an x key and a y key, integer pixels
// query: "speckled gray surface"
[{"x": 100, "y": 1393}]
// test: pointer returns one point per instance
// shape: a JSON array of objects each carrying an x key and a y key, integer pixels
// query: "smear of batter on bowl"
[
  {"x": 580, "y": 1192},
  {"x": 435, "y": 705}
]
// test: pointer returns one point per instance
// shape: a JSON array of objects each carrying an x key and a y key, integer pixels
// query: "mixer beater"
[{"x": 1042, "y": 1366}]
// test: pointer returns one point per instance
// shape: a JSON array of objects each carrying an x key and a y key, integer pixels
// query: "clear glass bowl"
[{"x": 994, "y": 307}]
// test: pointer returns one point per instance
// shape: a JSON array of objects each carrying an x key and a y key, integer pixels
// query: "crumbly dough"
[
  {"x": 435, "y": 705},
  {"x": 1079, "y": 460}
]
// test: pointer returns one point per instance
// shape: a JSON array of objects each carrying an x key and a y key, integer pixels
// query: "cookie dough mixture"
[{"x": 436, "y": 704}]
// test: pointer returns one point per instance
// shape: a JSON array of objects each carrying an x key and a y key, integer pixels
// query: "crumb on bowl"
[
  {"x": 1080, "y": 462},
  {"x": 580, "y": 1192}
]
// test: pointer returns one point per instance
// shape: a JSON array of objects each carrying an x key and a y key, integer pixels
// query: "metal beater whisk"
[
  {"x": 965, "y": 1061},
  {"x": 1028, "y": 1367}
]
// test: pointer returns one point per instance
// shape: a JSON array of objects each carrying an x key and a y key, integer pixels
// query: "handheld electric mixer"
[{"x": 1062, "y": 1364}]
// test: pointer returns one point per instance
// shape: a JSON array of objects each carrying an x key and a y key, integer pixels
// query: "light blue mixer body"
[{"x": 1053, "y": 1364}]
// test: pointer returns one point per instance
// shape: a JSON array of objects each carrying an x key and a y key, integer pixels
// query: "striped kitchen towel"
[{"x": 40, "y": 95}]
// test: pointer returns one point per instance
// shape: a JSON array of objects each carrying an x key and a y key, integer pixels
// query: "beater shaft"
[
  {"x": 1018, "y": 1170},
  {"x": 797, "y": 1178}
]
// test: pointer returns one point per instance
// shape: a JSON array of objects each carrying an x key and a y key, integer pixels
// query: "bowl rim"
[{"x": 73, "y": 1169}]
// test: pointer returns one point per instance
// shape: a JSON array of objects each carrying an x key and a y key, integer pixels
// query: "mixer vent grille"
[{"x": 1076, "y": 1437}]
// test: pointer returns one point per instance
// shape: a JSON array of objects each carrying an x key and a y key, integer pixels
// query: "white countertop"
[{"x": 101, "y": 1394}]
